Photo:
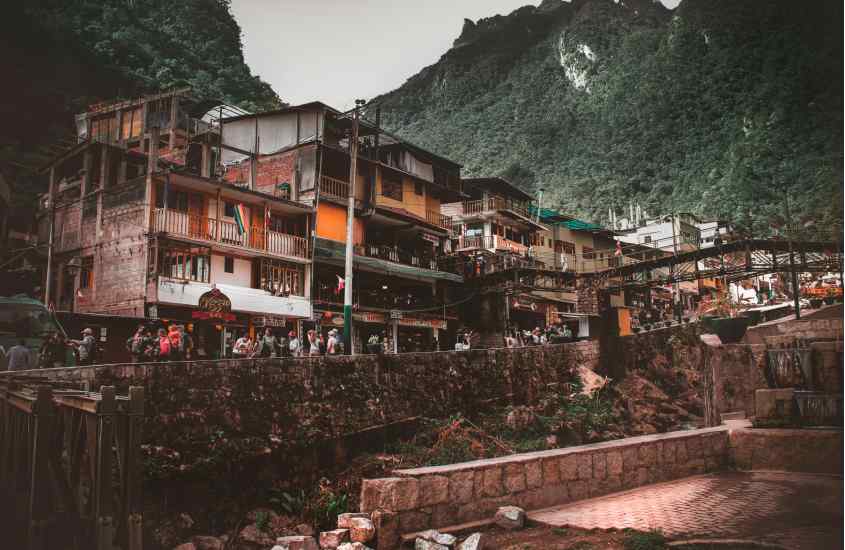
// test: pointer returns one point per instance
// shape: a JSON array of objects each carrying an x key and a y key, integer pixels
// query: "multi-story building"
[
  {"x": 401, "y": 288},
  {"x": 142, "y": 227},
  {"x": 709, "y": 230}
]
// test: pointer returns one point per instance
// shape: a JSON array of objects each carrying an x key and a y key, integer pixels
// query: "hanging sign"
[
  {"x": 368, "y": 317},
  {"x": 424, "y": 323},
  {"x": 214, "y": 305}
]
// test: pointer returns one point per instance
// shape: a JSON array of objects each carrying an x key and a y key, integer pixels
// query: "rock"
[
  {"x": 297, "y": 542},
  {"x": 333, "y": 539},
  {"x": 353, "y": 546},
  {"x": 434, "y": 535},
  {"x": 423, "y": 544},
  {"x": 305, "y": 529},
  {"x": 510, "y": 517},
  {"x": 551, "y": 442},
  {"x": 343, "y": 520},
  {"x": 473, "y": 542},
  {"x": 252, "y": 534},
  {"x": 361, "y": 530},
  {"x": 186, "y": 546},
  {"x": 520, "y": 418},
  {"x": 208, "y": 543}
]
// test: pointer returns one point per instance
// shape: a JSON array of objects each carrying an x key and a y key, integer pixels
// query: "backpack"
[
  {"x": 164, "y": 347},
  {"x": 175, "y": 338}
]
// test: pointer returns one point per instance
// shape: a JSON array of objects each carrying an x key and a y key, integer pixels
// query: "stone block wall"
[
  {"x": 787, "y": 450},
  {"x": 827, "y": 366},
  {"x": 439, "y": 496},
  {"x": 808, "y": 329},
  {"x": 276, "y": 402},
  {"x": 733, "y": 373}
]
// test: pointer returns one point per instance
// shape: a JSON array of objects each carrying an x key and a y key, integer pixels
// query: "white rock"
[
  {"x": 353, "y": 546},
  {"x": 433, "y": 535},
  {"x": 473, "y": 542},
  {"x": 423, "y": 544},
  {"x": 510, "y": 517},
  {"x": 297, "y": 542},
  {"x": 332, "y": 539}
]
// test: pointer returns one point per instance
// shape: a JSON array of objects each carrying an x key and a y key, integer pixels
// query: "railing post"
[
  {"x": 41, "y": 420},
  {"x": 102, "y": 483},
  {"x": 132, "y": 474}
]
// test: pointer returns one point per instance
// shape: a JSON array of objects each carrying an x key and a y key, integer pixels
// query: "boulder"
[
  {"x": 253, "y": 535},
  {"x": 510, "y": 517},
  {"x": 186, "y": 546},
  {"x": 423, "y": 544},
  {"x": 343, "y": 520},
  {"x": 330, "y": 540},
  {"x": 473, "y": 542},
  {"x": 297, "y": 542},
  {"x": 361, "y": 530},
  {"x": 433, "y": 535},
  {"x": 305, "y": 529},
  {"x": 353, "y": 546}
]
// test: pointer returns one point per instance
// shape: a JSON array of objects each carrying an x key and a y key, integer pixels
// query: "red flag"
[
  {"x": 618, "y": 249},
  {"x": 340, "y": 284}
]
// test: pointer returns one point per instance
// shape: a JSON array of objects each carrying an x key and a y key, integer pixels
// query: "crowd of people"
[
  {"x": 553, "y": 334},
  {"x": 171, "y": 344},
  {"x": 269, "y": 344}
]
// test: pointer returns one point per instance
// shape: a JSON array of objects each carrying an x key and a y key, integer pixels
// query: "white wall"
[{"x": 241, "y": 277}]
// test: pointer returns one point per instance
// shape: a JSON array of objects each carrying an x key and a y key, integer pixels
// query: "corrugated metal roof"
[{"x": 554, "y": 217}]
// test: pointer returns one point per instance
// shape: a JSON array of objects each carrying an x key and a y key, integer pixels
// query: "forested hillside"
[
  {"x": 718, "y": 107},
  {"x": 60, "y": 56}
]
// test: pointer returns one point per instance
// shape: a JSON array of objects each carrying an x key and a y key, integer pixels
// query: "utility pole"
[
  {"x": 539, "y": 202},
  {"x": 796, "y": 291},
  {"x": 350, "y": 223},
  {"x": 677, "y": 289},
  {"x": 47, "y": 284}
]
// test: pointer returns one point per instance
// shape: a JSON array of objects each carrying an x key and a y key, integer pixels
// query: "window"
[
  {"x": 281, "y": 278},
  {"x": 647, "y": 239},
  {"x": 131, "y": 123},
  {"x": 192, "y": 265},
  {"x": 104, "y": 129},
  {"x": 418, "y": 188},
  {"x": 229, "y": 264},
  {"x": 474, "y": 230},
  {"x": 229, "y": 209},
  {"x": 391, "y": 188},
  {"x": 588, "y": 253},
  {"x": 563, "y": 247},
  {"x": 176, "y": 200},
  {"x": 86, "y": 274}
]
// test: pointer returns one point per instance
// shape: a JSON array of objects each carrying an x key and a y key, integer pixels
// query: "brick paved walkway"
[{"x": 800, "y": 511}]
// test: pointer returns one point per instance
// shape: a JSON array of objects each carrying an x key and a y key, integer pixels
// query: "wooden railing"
[
  {"x": 398, "y": 255},
  {"x": 495, "y": 203},
  {"x": 490, "y": 242},
  {"x": 335, "y": 188},
  {"x": 211, "y": 230},
  {"x": 70, "y": 464},
  {"x": 436, "y": 218}
]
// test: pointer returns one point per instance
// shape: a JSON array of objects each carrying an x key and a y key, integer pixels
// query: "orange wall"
[
  {"x": 331, "y": 224},
  {"x": 416, "y": 204}
]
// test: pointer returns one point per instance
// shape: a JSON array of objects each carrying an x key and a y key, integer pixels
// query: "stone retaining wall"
[
  {"x": 808, "y": 329},
  {"x": 249, "y": 405},
  {"x": 439, "y": 496},
  {"x": 788, "y": 450}
]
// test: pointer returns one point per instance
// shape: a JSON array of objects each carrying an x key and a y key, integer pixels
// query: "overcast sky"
[{"x": 336, "y": 51}]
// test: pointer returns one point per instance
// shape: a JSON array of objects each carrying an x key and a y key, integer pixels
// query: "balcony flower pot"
[
  {"x": 729, "y": 329},
  {"x": 636, "y": 329}
]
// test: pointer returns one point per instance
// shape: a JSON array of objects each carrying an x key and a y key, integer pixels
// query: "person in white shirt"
[
  {"x": 242, "y": 347},
  {"x": 294, "y": 344},
  {"x": 331, "y": 345}
]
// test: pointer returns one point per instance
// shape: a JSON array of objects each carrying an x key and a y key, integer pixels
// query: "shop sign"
[
  {"x": 269, "y": 321},
  {"x": 369, "y": 317},
  {"x": 395, "y": 314},
  {"x": 426, "y": 323},
  {"x": 214, "y": 305},
  {"x": 516, "y": 304}
]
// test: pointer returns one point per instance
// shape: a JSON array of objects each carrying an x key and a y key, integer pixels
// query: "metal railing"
[
  {"x": 210, "y": 230},
  {"x": 70, "y": 464}
]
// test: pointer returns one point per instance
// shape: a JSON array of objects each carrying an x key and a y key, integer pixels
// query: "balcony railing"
[
  {"x": 436, "y": 218},
  {"x": 495, "y": 203},
  {"x": 210, "y": 230},
  {"x": 334, "y": 188},
  {"x": 492, "y": 243},
  {"x": 398, "y": 255}
]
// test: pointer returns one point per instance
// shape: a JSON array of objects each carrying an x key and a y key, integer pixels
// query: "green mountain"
[{"x": 718, "y": 107}]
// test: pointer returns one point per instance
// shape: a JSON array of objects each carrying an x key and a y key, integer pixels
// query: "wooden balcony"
[
  {"x": 493, "y": 243},
  {"x": 491, "y": 204},
  {"x": 436, "y": 218},
  {"x": 211, "y": 231},
  {"x": 335, "y": 188}
]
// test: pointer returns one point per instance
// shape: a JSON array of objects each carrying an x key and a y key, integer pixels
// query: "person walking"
[
  {"x": 85, "y": 348},
  {"x": 163, "y": 346},
  {"x": 135, "y": 344},
  {"x": 294, "y": 344},
  {"x": 176, "y": 345},
  {"x": 53, "y": 351},
  {"x": 313, "y": 344},
  {"x": 331, "y": 345},
  {"x": 268, "y": 345},
  {"x": 187, "y": 343},
  {"x": 242, "y": 347},
  {"x": 18, "y": 357}
]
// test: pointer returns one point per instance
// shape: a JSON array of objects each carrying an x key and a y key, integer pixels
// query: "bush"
[{"x": 651, "y": 540}]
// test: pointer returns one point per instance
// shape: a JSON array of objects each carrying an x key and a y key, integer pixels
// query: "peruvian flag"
[
  {"x": 340, "y": 284},
  {"x": 618, "y": 249}
]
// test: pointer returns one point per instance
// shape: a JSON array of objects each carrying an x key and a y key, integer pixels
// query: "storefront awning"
[{"x": 246, "y": 300}]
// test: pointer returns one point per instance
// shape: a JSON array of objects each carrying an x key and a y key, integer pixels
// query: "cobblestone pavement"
[{"x": 800, "y": 511}]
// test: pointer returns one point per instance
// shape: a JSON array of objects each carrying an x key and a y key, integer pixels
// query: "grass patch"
[{"x": 639, "y": 540}]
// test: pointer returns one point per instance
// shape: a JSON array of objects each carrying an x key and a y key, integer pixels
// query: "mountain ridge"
[{"x": 715, "y": 108}]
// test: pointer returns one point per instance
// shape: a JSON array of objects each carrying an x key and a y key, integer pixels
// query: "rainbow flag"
[{"x": 240, "y": 216}]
